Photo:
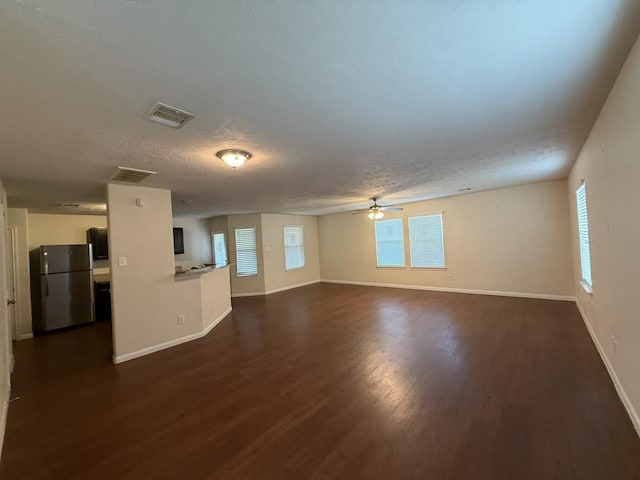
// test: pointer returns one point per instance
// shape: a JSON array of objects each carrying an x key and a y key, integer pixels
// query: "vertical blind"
[
  {"x": 293, "y": 247},
  {"x": 426, "y": 241},
  {"x": 583, "y": 234},
  {"x": 246, "y": 255},
  {"x": 389, "y": 243},
  {"x": 219, "y": 249}
]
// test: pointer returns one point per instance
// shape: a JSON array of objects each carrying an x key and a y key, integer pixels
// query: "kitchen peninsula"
[{"x": 152, "y": 307}]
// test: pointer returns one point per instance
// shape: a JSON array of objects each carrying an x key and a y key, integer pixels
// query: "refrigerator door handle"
[{"x": 46, "y": 286}]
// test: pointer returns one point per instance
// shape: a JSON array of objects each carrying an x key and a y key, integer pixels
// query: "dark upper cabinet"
[{"x": 98, "y": 238}]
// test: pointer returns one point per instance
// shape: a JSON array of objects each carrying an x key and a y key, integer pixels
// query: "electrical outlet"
[
  {"x": 615, "y": 345},
  {"x": 182, "y": 319},
  {"x": 450, "y": 276}
]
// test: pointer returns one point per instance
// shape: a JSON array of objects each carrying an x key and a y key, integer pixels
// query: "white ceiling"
[{"x": 338, "y": 100}]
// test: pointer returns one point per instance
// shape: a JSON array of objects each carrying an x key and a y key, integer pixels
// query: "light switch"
[
  {"x": 122, "y": 261},
  {"x": 267, "y": 249}
]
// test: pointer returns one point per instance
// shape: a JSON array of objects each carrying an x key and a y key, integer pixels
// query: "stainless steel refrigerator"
[{"x": 61, "y": 286}]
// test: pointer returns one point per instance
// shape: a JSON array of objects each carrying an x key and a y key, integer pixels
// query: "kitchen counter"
[
  {"x": 197, "y": 272},
  {"x": 101, "y": 277}
]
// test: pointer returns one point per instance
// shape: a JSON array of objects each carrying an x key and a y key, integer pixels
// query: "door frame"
[
  {"x": 14, "y": 285},
  {"x": 226, "y": 245}
]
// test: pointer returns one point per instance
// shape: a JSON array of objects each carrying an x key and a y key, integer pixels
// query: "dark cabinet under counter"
[
  {"x": 102, "y": 296},
  {"x": 98, "y": 238}
]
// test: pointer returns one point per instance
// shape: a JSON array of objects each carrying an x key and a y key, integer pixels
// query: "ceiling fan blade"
[
  {"x": 357, "y": 212},
  {"x": 392, "y": 209}
]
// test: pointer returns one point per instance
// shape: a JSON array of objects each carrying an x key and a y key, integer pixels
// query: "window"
[
  {"x": 426, "y": 241},
  {"x": 219, "y": 248},
  {"x": 583, "y": 234},
  {"x": 293, "y": 247},
  {"x": 246, "y": 254},
  {"x": 389, "y": 243}
]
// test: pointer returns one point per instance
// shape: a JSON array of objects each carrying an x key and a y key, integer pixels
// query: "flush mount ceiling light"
[{"x": 233, "y": 157}]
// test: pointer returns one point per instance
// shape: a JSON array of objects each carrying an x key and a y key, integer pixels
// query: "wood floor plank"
[{"x": 329, "y": 382}]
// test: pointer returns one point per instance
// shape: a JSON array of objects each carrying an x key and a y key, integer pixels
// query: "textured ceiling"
[{"x": 338, "y": 100}]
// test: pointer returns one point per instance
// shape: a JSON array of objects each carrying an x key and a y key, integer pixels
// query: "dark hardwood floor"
[{"x": 329, "y": 381}]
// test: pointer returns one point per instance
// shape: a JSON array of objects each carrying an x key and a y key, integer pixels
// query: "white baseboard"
[
  {"x": 282, "y": 289},
  {"x": 3, "y": 423},
  {"x": 635, "y": 419},
  {"x": 171, "y": 343},
  {"x": 542, "y": 296},
  {"x": 249, "y": 294},
  {"x": 25, "y": 336},
  {"x": 209, "y": 327},
  {"x": 275, "y": 290}
]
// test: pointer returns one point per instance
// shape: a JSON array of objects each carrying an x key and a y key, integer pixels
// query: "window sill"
[
  {"x": 428, "y": 268},
  {"x": 392, "y": 267},
  {"x": 248, "y": 275},
  {"x": 586, "y": 287}
]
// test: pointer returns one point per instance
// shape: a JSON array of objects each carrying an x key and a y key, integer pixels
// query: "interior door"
[
  {"x": 12, "y": 304},
  {"x": 6, "y": 345}
]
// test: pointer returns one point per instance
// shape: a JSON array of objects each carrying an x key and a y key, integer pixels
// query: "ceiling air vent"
[
  {"x": 131, "y": 175},
  {"x": 169, "y": 116}
]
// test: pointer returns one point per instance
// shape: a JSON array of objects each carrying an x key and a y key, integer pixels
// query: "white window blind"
[
  {"x": 583, "y": 234},
  {"x": 219, "y": 249},
  {"x": 389, "y": 243},
  {"x": 426, "y": 241},
  {"x": 246, "y": 255},
  {"x": 293, "y": 247}
]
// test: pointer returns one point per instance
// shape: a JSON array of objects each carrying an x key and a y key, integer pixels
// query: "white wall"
[
  {"x": 5, "y": 333},
  {"x": 197, "y": 242},
  {"x": 60, "y": 229},
  {"x": 245, "y": 285},
  {"x": 146, "y": 297},
  {"x": 513, "y": 240},
  {"x": 276, "y": 277},
  {"x": 215, "y": 292},
  {"x": 270, "y": 250},
  {"x": 610, "y": 166},
  {"x": 17, "y": 217}
]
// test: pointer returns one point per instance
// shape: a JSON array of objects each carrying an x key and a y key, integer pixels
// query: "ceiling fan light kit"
[
  {"x": 376, "y": 211},
  {"x": 376, "y": 214}
]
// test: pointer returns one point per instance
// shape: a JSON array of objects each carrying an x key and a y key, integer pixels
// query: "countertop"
[{"x": 197, "y": 272}]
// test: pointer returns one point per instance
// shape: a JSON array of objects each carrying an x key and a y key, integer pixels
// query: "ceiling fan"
[{"x": 376, "y": 211}]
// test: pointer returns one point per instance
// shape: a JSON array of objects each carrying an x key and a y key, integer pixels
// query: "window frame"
[
  {"x": 235, "y": 244},
  {"x": 284, "y": 241},
  {"x": 404, "y": 253},
  {"x": 583, "y": 230},
  {"x": 444, "y": 250}
]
